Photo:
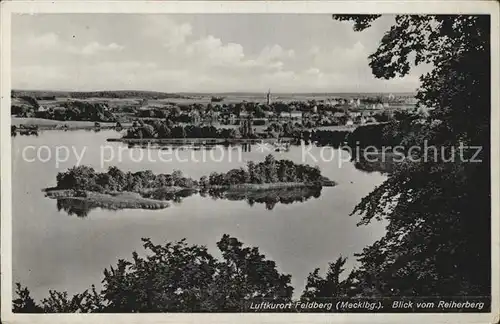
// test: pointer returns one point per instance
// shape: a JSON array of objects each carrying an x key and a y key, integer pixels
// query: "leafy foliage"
[
  {"x": 85, "y": 178},
  {"x": 268, "y": 171},
  {"x": 78, "y": 110},
  {"x": 166, "y": 129},
  {"x": 174, "y": 277},
  {"x": 331, "y": 285},
  {"x": 439, "y": 210},
  {"x": 361, "y": 22}
]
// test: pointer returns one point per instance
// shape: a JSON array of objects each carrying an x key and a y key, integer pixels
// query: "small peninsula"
[{"x": 116, "y": 189}]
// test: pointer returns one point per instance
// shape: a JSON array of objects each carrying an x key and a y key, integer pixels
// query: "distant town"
[{"x": 248, "y": 115}]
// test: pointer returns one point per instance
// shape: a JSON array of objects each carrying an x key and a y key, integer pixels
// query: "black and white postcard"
[{"x": 250, "y": 161}]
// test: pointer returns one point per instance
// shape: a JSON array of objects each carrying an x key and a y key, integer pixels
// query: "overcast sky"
[{"x": 197, "y": 53}]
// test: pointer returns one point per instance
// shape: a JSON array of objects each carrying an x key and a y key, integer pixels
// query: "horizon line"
[{"x": 209, "y": 92}]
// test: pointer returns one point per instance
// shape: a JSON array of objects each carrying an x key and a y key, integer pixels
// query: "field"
[
  {"x": 129, "y": 97},
  {"x": 53, "y": 124},
  {"x": 125, "y": 105}
]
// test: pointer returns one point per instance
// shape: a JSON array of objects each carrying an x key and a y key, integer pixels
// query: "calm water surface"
[{"x": 54, "y": 250}]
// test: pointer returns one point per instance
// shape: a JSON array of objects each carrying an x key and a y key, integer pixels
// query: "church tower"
[{"x": 269, "y": 97}]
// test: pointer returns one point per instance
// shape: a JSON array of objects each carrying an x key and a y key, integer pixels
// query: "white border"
[{"x": 338, "y": 7}]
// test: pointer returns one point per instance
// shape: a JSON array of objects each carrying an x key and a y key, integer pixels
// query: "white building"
[{"x": 292, "y": 114}]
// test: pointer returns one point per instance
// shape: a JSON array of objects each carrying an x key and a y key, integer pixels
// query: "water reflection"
[
  {"x": 175, "y": 146},
  {"x": 383, "y": 163},
  {"x": 75, "y": 207},
  {"x": 299, "y": 237},
  {"x": 270, "y": 198}
]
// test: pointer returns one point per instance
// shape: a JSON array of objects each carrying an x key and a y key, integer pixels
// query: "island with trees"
[
  {"x": 269, "y": 182},
  {"x": 168, "y": 131}
]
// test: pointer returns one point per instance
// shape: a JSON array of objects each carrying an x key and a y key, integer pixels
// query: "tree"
[
  {"x": 163, "y": 131},
  {"x": 174, "y": 277},
  {"x": 259, "y": 112},
  {"x": 24, "y": 303},
  {"x": 174, "y": 113},
  {"x": 118, "y": 176},
  {"x": 235, "y": 176},
  {"x": 204, "y": 182},
  {"x": 31, "y": 101},
  {"x": 57, "y": 302},
  {"x": 216, "y": 179},
  {"x": 147, "y": 131},
  {"x": 271, "y": 170},
  {"x": 237, "y": 109},
  {"x": 177, "y": 177},
  {"x": 79, "y": 177},
  {"x": 330, "y": 286},
  {"x": 251, "y": 172},
  {"x": 246, "y": 274},
  {"x": 438, "y": 212}
]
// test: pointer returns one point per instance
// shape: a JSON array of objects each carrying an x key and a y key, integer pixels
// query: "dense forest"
[
  {"x": 175, "y": 277},
  {"x": 438, "y": 210},
  {"x": 85, "y": 178},
  {"x": 70, "y": 110},
  {"x": 78, "y": 110},
  {"x": 167, "y": 129},
  {"x": 269, "y": 171}
]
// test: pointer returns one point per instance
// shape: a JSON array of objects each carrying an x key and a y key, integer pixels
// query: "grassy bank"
[
  {"x": 121, "y": 200},
  {"x": 156, "y": 198},
  {"x": 211, "y": 141}
]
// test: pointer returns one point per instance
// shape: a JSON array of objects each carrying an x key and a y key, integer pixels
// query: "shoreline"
[
  {"x": 121, "y": 200},
  {"x": 51, "y": 124},
  {"x": 136, "y": 200},
  {"x": 199, "y": 140}
]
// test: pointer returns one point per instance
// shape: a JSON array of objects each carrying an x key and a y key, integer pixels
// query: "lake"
[{"x": 55, "y": 250}]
